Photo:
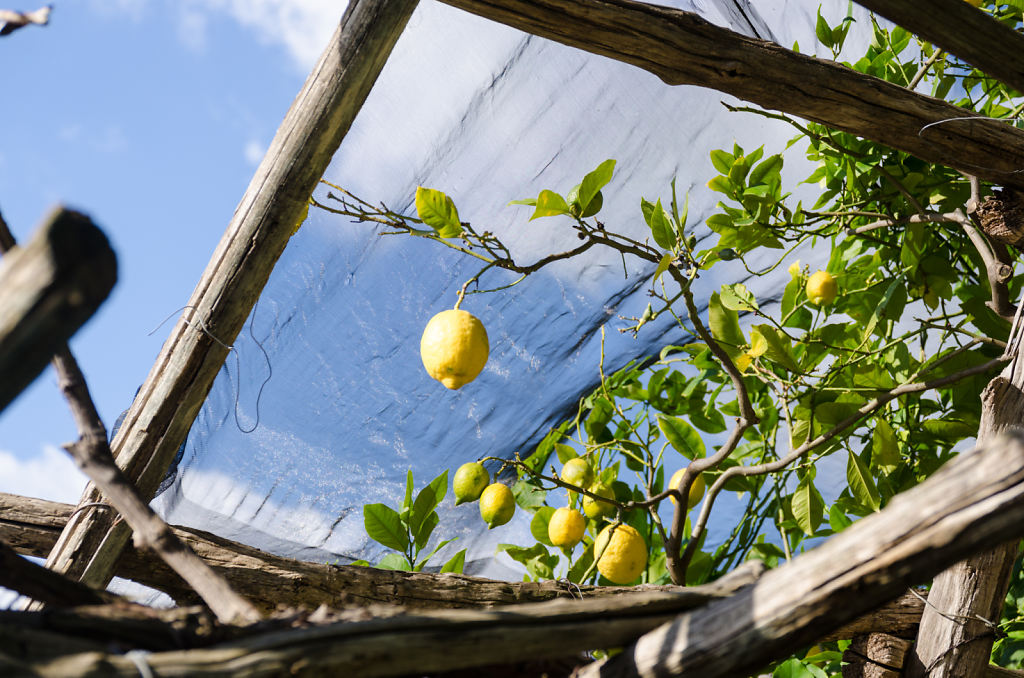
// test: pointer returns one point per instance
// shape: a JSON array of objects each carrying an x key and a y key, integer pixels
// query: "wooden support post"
[
  {"x": 50, "y": 288},
  {"x": 875, "y": 655},
  {"x": 38, "y": 583},
  {"x": 961, "y": 30},
  {"x": 683, "y": 49},
  {"x": 272, "y": 208},
  {"x": 974, "y": 501}
]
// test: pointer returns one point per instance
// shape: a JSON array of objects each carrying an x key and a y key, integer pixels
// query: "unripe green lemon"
[
  {"x": 696, "y": 489},
  {"x": 469, "y": 481},
  {"x": 497, "y": 505},
  {"x": 822, "y": 288},
  {"x": 594, "y": 508},
  {"x": 623, "y": 553},
  {"x": 577, "y": 472},
  {"x": 454, "y": 347},
  {"x": 566, "y": 527}
]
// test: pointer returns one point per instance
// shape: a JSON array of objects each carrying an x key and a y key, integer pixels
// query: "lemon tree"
[{"x": 811, "y": 406}]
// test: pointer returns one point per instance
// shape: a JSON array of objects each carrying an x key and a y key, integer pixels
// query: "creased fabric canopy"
[{"x": 323, "y": 405}]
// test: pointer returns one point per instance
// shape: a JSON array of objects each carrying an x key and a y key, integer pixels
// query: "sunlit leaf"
[{"x": 438, "y": 211}]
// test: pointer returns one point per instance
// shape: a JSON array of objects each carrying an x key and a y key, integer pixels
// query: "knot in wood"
[{"x": 1001, "y": 216}]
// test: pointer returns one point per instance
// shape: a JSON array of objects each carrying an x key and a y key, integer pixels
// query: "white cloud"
[
  {"x": 302, "y": 27},
  {"x": 254, "y": 151},
  {"x": 51, "y": 475}
]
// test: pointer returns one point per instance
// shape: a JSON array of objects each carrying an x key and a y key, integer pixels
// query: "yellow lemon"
[
  {"x": 696, "y": 488},
  {"x": 577, "y": 472},
  {"x": 566, "y": 527},
  {"x": 497, "y": 505},
  {"x": 469, "y": 481},
  {"x": 594, "y": 508},
  {"x": 454, "y": 347},
  {"x": 822, "y": 288},
  {"x": 623, "y": 553}
]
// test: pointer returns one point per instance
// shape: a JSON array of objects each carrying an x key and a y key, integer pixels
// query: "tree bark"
[
  {"x": 875, "y": 655},
  {"x": 683, "y": 49},
  {"x": 963, "y": 31},
  {"x": 273, "y": 207},
  {"x": 51, "y": 287},
  {"x": 964, "y": 507},
  {"x": 38, "y": 583}
]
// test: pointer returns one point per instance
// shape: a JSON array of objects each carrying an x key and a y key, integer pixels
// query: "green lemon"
[
  {"x": 594, "y": 508},
  {"x": 497, "y": 505},
  {"x": 469, "y": 481},
  {"x": 577, "y": 472}
]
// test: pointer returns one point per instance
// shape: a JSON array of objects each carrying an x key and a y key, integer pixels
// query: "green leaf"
[
  {"x": 393, "y": 561},
  {"x": 550, "y": 204},
  {"x": 593, "y": 183},
  {"x": 663, "y": 265},
  {"x": 823, "y": 31},
  {"x": 407, "y": 502},
  {"x": 808, "y": 506},
  {"x": 767, "y": 172},
  {"x": 532, "y": 202},
  {"x": 725, "y": 326},
  {"x": 682, "y": 436},
  {"x": 661, "y": 225},
  {"x": 565, "y": 452},
  {"x": 722, "y": 160},
  {"x": 419, "y": 566},
  {"x": 582, "y": 565},
  {"x": 539, "y": 524},
  {"x": 438, "y": 211},
  {"x": 429, "y": 498},
  {"x": 837, "y": 518},
  {"x": 384, "y": 526},
  {"x": 862, "y": 485},
  {"x": 885, "y": 453},
  {"x": 455, "y": 563},
  {"x": 528, "y": 493},
  {"x": 737, "y": 297},
  {"x": 779, "y": 349}
]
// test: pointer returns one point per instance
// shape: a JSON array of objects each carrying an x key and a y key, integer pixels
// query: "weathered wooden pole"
[
  {"x": 48, "y": 289},
  {"x": 271, "y": 209},
  {"x": 681, "y": 48},
  {"x": 974, "y": 502}
]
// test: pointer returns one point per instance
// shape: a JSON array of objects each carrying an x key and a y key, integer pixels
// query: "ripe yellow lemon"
[
  {"x": 696, "y": 489},
  {"x": 822, "y": 288},
  {"x": 497, "y": 505},
  {"x": 623, "y": 553},
  {"x": 454, "y": 347},
  {"x": 469, "y": 481},
  {"x": 594, "y": 508},
  {"x": 578, "y": 472},
  {"x": 566, "y": 527}
]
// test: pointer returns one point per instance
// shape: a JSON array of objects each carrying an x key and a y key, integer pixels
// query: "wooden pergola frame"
[{"x": 680, "y": 48}]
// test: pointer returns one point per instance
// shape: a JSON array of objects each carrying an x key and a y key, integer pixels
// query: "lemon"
[
  {"x": 594, "y": 508},
  {"x": 696, "y": 489},
  {"x": 577, "y": 472},
  {"x": 454, "y": 347},
  {"x": 623, "y": 553},
  {"x": 566, "y": 527},
  {"x": 469, "y": 481},
  {"x": 497, "y": 505},
  {"x": 822, "y": 288}
]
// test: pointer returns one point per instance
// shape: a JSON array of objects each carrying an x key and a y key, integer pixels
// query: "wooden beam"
[
  {"x": 270, "y": 211},
  {"x": 683, "y": 49},
  {"x": 31, "y": 526},
  {"x": 50, "y": 288},
  {"x": 38, "y": 583},
  {"x": 962, "y": 30},
  {"x": 974, "y": 502}
]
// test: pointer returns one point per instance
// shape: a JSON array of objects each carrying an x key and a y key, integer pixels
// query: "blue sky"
[{"x": 151, "y": 116}]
